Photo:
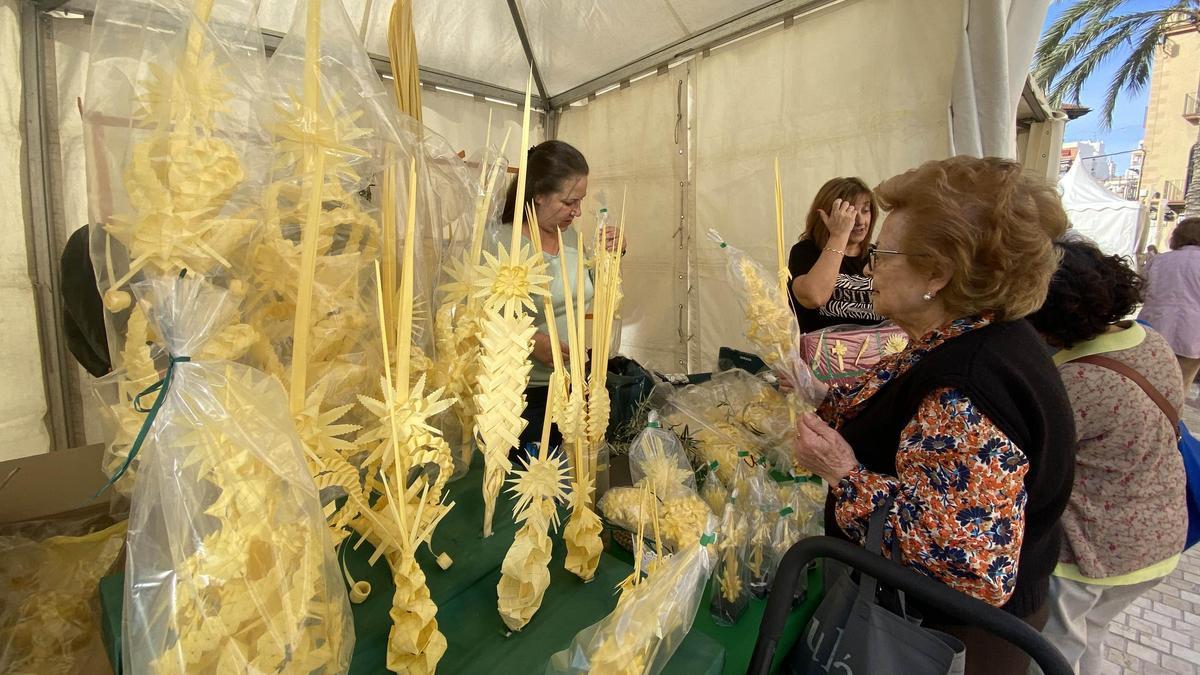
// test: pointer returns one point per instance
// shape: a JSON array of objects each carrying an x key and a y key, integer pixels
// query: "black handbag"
[{"x": 853, "y": 631}]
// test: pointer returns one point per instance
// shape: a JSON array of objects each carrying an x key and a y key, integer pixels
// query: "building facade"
[{"x": 1172, "y": 116}]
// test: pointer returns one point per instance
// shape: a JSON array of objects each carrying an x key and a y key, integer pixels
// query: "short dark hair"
[
  {"x": 1187, "y": 233},
  {"x": 1088, "y": 292},
  {"x": 550, "y": 165}
]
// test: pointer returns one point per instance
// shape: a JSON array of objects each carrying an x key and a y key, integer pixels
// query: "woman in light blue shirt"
[{"x": 555, "y": 187}]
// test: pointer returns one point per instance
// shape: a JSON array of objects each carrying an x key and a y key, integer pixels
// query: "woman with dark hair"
[
  {"x": 829, "y": 286},
  {"x": 555, "y": 185},
  {"x": 1126, "y": 521},
  {"x": 1173, "y": 297}
]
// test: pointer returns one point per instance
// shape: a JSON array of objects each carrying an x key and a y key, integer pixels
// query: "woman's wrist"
[{"x": 839, "y": 251}]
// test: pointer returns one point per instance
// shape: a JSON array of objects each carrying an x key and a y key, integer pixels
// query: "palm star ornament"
[
  {"x": 525, "y": 572},
  {"x": 509, "y": 281}
]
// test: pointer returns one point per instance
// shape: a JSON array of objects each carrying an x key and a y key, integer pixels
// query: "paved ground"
[{"x": 1160, "y": 633}]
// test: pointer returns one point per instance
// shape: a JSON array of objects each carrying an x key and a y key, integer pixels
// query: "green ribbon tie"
[{"x": 151, "y": 413}]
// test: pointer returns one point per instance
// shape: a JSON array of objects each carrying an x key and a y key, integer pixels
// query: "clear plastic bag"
[
  {"x": 762, "y": 549},
  {"x": 175, "y": 149},
  {"x": 649, "y": 623},
  {"x": 176, "y": 161},
  {"x": 731, "y": 578},
  {"x": 230, "y": 565},
  {"x": 713, "y": 491},
  {"x": 770, "y": 325},
  {"x": 682, "y": 518},
  {"x": 657, "y": 456},
  {"x": 47, "y": 624}
]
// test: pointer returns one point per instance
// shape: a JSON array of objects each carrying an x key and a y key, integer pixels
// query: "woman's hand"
[
  {"x": 839, "y": 221},
  {"x": 543, "y": 352},
  {"x": 822, "y": 450},
  {"x": 818, "y": 388},
  {"x": 611, "y": 238}
]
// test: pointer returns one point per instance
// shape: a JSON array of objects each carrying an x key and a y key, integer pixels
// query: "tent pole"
[
  {"x": 43, "y": 247},
  {"x": 519, "y": 23}
]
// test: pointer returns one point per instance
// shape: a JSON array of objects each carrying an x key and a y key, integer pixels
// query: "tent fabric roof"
[
  {"x": 1081, "y": 191},
  {"x": 1106, "y": 219},
  {"x": 573, "y": 41}
]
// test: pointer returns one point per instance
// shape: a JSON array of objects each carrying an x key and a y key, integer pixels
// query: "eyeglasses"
[{"x": 873, "y": 252}]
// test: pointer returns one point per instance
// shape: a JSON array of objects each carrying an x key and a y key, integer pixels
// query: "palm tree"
[{"x": 1092, "y": 31}]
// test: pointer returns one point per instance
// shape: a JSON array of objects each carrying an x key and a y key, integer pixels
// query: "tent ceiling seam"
[
  {"x": 519, "y": 24},
  {"x": 735, "y": 26}
]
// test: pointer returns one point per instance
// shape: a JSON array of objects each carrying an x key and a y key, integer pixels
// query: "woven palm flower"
[
  {"x": 543, "y": 478},
  {"x": 319, "y": 429},
  {"x": 328, "y": 127},
  {"x": 895, "y": 344},
  {"x": 461, "y": 287},
  {"x": 662, "y": 472},
  {"x": 194, "y": 93},
  {"x": 411, "y": 418},
  {"x": 509, "y": 281}
]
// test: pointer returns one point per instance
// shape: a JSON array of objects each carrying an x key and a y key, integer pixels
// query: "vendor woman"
[
  {"x": 829, "y": 286},
  {"x": 555, "y": 186}
]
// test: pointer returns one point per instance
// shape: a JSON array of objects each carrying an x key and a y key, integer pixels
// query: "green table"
[{"x": 466, "y": 598}]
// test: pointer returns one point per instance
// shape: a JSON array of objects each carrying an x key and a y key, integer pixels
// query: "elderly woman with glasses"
[{"x": 969, "y": 431}]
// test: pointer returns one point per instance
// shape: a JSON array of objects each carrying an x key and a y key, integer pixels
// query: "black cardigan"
[{"x": 1006, "y": 371}]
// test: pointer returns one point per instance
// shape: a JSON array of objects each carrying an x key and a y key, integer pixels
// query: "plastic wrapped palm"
[
  {"x": 173, "y": 150},
  {"x": 230, "y": 564},
  {"x": 651, "y": 619}
]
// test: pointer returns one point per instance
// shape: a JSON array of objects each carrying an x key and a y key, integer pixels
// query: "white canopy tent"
[
  {"x": 1113, "y": 223},
  {"x": 686, "y": 103}
]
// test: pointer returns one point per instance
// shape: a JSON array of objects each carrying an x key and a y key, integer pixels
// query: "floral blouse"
[{"x": 959, "y": 493}]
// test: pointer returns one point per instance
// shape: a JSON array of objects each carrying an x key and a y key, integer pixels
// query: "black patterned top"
[{"x": 851, "y": 299}]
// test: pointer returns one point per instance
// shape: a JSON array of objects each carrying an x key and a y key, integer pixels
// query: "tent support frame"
[
  {"x": 744, "y": 24},
  {"x": 43, "y": 245},
  {"x": 519, "y": 23}
]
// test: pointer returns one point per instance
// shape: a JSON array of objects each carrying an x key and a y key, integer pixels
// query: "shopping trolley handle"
[{"x": 966, "y": 609}]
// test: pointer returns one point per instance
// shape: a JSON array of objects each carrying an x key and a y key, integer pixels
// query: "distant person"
[
  {"x": 829, "y": 284},
  {"x": 1172, "y": 298},
  {"x": 1146, "y": 256},
  {"x": 1125, "y": 524}
]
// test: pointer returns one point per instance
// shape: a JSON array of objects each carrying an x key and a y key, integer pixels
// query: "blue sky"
[{"x": 1129, "y": 117}]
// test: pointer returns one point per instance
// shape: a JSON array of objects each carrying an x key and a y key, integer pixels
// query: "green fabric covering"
[
  {"x": 112, "y": 590},
  {"x": 466, "y": 599}
]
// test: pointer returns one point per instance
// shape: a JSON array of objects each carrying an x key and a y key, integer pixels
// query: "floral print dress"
[{"x": 959, "y": 493}]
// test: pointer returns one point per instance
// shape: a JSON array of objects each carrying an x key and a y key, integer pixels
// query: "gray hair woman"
[{"x": 969, "y": 429}]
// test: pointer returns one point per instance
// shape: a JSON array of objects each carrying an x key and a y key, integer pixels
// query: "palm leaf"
[
  {"x": 1098, "y": 49},
  {"x": 1133, "y": 74},
  {"x": 1089, "y": 32},
  {"x": 1058, "y": 31}
]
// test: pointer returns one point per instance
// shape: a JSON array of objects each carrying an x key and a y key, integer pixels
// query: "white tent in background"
[{"x": 1098, "y": 214}]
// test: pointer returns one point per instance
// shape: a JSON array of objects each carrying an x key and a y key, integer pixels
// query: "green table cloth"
[{"x": 465, "y": 595}]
